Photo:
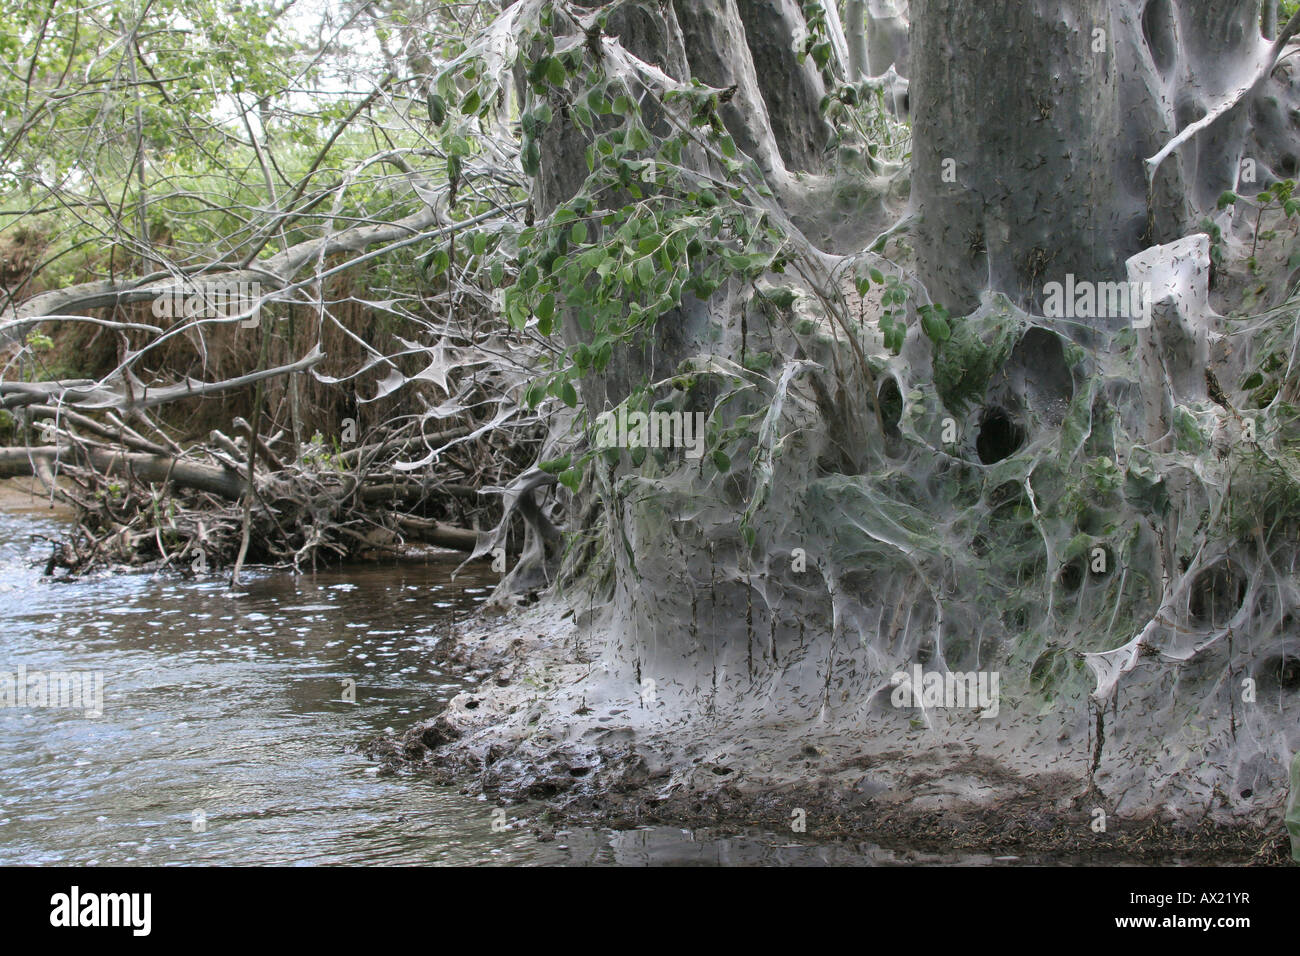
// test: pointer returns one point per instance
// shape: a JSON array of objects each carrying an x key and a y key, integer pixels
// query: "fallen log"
[
  {"x": 435, "y": 532},
  {"x": 151, "y": 468},
  {"x": 89, "y": 395},
  {"x": 413, "y": 491}
]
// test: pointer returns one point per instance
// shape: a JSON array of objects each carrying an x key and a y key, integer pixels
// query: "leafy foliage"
[{"x": 649, "y": 227}]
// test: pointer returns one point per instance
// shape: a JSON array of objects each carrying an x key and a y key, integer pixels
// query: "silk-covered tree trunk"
[
  {"x": 929, "y": 468},
  {"x": 1054, "y": 179}
]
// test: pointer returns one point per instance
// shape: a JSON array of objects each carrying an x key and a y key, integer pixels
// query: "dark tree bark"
[
  {"x": 1010, "y": 197},
  {"x": 1054, "y": 180},
  {"x": 791, "y": 91}
]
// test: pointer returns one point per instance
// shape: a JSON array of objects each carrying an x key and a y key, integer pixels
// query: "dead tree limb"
[{"x": 150, "y": 468}]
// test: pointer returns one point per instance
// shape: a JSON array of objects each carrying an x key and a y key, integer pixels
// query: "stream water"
[{"x": 225, "y": 736}]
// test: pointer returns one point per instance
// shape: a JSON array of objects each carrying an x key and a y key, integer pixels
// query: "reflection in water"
[{"x": 226, "y": 736}]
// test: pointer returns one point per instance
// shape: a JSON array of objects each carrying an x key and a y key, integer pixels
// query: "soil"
[
  {"x": 26, "y": 495},
  {"x": 526, "y": 736}
]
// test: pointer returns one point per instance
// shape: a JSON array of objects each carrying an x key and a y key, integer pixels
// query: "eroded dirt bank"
[
  {"x": 26, "y": 495},
  {"x": 533, "y": 735}
]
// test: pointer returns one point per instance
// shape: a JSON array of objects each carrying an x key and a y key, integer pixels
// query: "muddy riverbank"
[
  {"x": 525, "y": 734},
  {"x": 27, "y": 496}
]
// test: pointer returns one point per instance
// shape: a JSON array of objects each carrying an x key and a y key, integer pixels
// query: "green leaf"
[
  {"x": 895, "y": 337},
  {"x": 546, "y": 308},
  {"x": 531, "y": 157},
  {"x": 516, "y": 314},
  {"x": 556, "y": 465},
  {"x": 571, "y": 478},
  {"x": 782, "y": 298},
  {"x": 935, "y": 326},
  {"x": 569, "y": 395},
  {"x": 721, "y": 461},
  {"x": 437, "y": 107},
  {"x": 439, "y": 260}
]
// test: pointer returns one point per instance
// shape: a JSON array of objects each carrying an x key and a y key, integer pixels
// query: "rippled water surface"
[{"x": 225, "y": 736}]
